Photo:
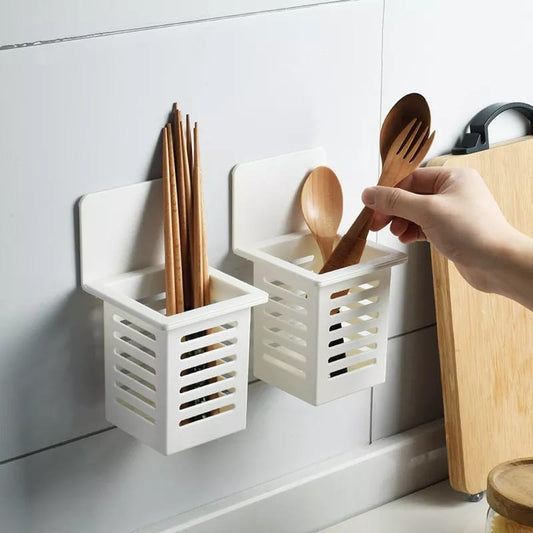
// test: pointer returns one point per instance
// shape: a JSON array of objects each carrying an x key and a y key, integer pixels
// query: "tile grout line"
[
  {"x": 415, "y": 330},
  {"x": 253, "y": 381},
  {"x": 371, "y": 436},
  {"x": 399, "y": 335},
  {"x": 382, "y": 61},
  {"x": 56, "y": 445},
  {"x": 58, "y": 40}
]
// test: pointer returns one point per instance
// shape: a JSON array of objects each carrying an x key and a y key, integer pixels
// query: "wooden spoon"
[
  {"x": 411, "y": 106},
  {"x": 405, "y": 154},
  {"x": 321, "y": 203},
  {"x": 407, "y": 108}
]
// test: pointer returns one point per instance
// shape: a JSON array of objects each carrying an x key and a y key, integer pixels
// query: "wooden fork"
[{"x": 405, "y": 154}]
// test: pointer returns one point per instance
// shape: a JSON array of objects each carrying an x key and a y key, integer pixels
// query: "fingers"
[
  {"x": 412, "y": 233},
  {"x": 409, "y": 200},
  {"x": 427, "y": 180},
  {"x": 406, "y": 231},
  {"x": 379, "y": 221},
  {"x": 399, "y": 226},
  {"x": 395, "y": 202}
]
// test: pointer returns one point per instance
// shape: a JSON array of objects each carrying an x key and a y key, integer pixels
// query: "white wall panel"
[
  {"x": 412, "y": 393},
  {"x": 29, "y": 21},
  {"x": 86, "y": 115},
  {"x": 320, "y": 495},
  {"x": 462, "y": 56},
  {"x": 111, "y": 482},
  {"x": 465, "y": 56}
]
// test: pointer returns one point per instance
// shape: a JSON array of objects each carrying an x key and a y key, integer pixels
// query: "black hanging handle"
[{"x": 478, "y": 139}]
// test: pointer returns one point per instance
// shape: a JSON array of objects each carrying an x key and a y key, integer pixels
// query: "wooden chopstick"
[
  {"x": 197, "y": 233},
  {"x": 187, "y": 168},
  {"x": 167, "y": 229},
  {"x": 188, "y": 136},
  {"x": 176, "y": 237},
  {"x": 202, "y": 284},
  {"x": 200, "y": 266},
  {"x": 184, "y": 201},
  {"x": 202, "y": 241},
  {"x": 192, "y": 249},
  {"x": 185, "y": 235}
]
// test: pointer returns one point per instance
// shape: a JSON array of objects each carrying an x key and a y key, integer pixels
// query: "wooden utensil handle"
[
  {"x": 350, "y": 248},
  {"x": 326, "y": 245}
]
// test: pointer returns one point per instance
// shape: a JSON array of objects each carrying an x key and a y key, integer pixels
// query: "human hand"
[{"x": 453, "y": 209}]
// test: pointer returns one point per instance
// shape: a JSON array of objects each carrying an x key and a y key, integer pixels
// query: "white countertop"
[{"x": 435, "y": 509}]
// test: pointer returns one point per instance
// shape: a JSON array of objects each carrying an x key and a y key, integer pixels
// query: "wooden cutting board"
[{"x": 486, "y": 341}]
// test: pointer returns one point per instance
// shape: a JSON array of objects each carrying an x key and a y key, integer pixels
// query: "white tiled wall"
[
  {"x": 26, "y": 21},
  {"x": 462, "y": 56},
  {"x": 412, "y": 393},
  {"x": 85, "y": 114},
  {"x": 112, "y": 483}
]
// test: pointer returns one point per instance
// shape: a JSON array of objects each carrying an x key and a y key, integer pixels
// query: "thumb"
[{"x": 395, "y": 202}]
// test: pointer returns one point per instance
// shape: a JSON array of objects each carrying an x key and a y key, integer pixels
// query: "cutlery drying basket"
[
  {"x": 172, "y": 382},
  {"x": 320, "y": 336}
]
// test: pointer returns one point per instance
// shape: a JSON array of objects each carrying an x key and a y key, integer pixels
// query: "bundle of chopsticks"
[{"x": 186, "y": 266}]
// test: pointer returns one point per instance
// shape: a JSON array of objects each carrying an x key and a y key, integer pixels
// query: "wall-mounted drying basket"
[
  {"x": 172, "y": 382},
  {"x": 320, "y": 336}
]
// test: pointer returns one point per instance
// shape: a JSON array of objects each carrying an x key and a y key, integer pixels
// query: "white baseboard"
[{"x": 325, "y": 493}]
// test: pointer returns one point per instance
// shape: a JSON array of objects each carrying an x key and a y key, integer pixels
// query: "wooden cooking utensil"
[
  {"x": 189, "y": 142},
  {"x": 321, "y": 203},
  {"x": 205, "y": 263},
  {"x": 200, "y": 267},
  {"x": 193, "y": 257},
  {"x": 405, "y": 154},
  {"x": 176, "y": 238},
  {"x": 402, "y": 112},
  {"x": 410, "y": 106},
  {"x": 184, "y": 203},
  {"x": 167, "y": 229},
  {"x": 200, "y": 275}
]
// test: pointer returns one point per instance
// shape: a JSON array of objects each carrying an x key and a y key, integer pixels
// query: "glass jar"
[{"x": 510, "y": 496}]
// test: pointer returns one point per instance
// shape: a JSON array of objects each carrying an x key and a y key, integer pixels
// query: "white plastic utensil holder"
[
  {"x": 320, "y": 336},
  {"x": 173, "y": 382}
]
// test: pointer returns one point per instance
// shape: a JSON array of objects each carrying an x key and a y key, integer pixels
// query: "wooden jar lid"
[{"x": 510, "y": 490}]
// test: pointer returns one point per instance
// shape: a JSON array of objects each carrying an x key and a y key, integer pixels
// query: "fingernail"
[{"x": 369, "y": 196}]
